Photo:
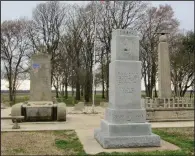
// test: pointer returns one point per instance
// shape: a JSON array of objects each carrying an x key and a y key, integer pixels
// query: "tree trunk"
[
  {"x": 66, "y": 90},
  {"x": 82, "y": 89},
  {"x": 56, "y": 89},
  {"x": 14, "y": 95},
  {"x": 103, "y": 92},
  {"x": 191, "y": 92},
  {"x": 78, "y": 90},
  {"x": 10, "y": 91},
  {"x": 87, "y": 87},
  {"x": 52, "y": 67},
  {"x": 72, "y": 91},
  {"x": 78, "y": 80},
  {"x": 153, "y": 77},
  {"x": 90, "y": 74},
  {"x": 62, "y": 89},
  {"x": 102, "y": 75},
  {"x": 155, "y": 91},
  {"x": 107, "y": 81}
]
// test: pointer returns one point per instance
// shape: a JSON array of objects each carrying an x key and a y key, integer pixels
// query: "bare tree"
[
  {"x": 155, "y": 21},
  {"x": 65, "y": 64},
  {"x": 88, "y": 18},
  {"x": 117, "y": 15},
  {"x": 74, "y": 31},
  {"x": 46, "y": 27},
  {"x": 14, "y": 50},
  {"x": 182, "y": 62}
]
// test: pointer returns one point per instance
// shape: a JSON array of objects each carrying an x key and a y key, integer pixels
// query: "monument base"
[
  {"x": 40, "y": 111},
  {"x": 106, "y": 141}
]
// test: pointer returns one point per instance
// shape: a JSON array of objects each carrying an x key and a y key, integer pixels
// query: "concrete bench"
[{"x": 14, "y": 120}]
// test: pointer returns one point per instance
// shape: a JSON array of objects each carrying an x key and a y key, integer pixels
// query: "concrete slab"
[{"x": 91, "y": 146}]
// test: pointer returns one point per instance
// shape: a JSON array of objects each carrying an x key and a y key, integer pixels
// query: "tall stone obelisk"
[
  {"x": 164, "y": 74},
  {"x": 125, "y": 121}
]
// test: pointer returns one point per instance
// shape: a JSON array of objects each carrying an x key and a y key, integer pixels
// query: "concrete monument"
[
  {"x": 164, "y": 74},
  {"x": 40, "y": 107},
  {"x": 40, "y": 78},
  {"x": 125, "y": 120}
]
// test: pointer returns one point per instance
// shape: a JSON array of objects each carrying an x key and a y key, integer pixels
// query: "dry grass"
[
  {"x": 186, "y": 132},
  {"x": 37, "y": 143}
]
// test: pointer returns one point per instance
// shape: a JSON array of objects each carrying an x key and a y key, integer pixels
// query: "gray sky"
[
  {"x": 10, "y": 10},
  {"x": 184, "y": 10}
]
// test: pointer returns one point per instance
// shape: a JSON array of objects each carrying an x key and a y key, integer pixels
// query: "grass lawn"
[{"x": 67, "y": 143}]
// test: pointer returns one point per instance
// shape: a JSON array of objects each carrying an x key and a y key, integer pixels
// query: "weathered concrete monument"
[
  {"x": 40, "y": 107},
  {"x": 164, "y": 74},
  {"x": 125, "y": 120},
  {"x": 40, "y": 80}
]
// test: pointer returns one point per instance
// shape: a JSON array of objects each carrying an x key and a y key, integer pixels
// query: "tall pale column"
[
  {"x": 125, "y": 121},
  {"x": 164, "y": 74}
]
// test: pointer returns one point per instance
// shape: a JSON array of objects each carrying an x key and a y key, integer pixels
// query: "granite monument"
[{"x": 125, "y": 120}]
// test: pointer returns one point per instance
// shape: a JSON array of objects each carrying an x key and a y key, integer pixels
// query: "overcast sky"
[
  {"x": 10, "y": 10},
  {"x": 184, "y": 10}
]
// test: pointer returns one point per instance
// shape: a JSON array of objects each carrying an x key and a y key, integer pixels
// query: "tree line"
[{"x": 66, "y": 32}]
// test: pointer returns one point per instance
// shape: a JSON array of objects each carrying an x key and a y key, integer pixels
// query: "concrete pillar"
[{"x": 164, "y": 74}]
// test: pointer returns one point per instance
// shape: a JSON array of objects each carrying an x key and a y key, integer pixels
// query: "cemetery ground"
[{"x": 66, "y": 142}]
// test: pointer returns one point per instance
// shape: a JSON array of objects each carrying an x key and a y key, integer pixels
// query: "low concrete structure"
[
  {"x": 173, "y": 109},
  {"x": 40, "y": 107},
  {"x": 173, "y": 114},
  {"x": 40, "y": 111}
]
